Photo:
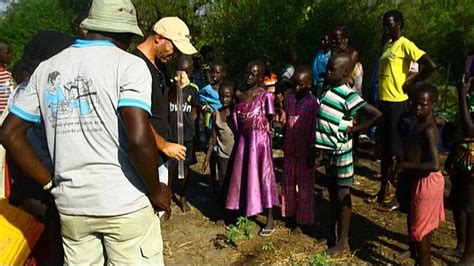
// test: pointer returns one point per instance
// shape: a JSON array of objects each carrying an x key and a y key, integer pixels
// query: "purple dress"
[{"x": 252, "y": 183}]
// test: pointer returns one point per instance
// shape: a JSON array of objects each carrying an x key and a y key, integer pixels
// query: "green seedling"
[
  {"x": 242, "y": 229},
  {"x": 320, "y": 259},
  {"x": 268, "y": 246},
  {"x": 246, "y": 227}
]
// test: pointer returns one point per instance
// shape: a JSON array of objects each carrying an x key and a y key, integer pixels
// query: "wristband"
[{"x": 48, "y": 186}]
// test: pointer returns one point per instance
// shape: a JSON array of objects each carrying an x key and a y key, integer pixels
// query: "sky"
[{"x": 3, "y": 5}]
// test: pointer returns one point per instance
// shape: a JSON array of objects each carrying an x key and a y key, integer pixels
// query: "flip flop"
[
  {"x": 372, "y": 199},
  {"x": 266, "y": 232},
  {"x": 387, "y": 208}
]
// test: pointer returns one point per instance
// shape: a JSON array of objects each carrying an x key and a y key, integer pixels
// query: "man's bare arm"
[
  {"x": 426, "y": 66},
  {"x": 374, "y": 116},
  {"x": 172, "y": 150},
  {"x": 144, "y": 155},
  {"x": 13, "y": 138}
]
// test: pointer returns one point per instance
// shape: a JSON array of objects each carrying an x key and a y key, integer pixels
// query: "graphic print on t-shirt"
[{"x": 65, "y": 100}]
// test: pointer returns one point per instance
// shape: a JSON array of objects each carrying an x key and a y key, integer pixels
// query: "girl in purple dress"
[{"x": 252, "y": 183}]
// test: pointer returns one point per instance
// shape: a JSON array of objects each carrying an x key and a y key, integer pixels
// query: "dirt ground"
[{"x": 375, "y": 238}]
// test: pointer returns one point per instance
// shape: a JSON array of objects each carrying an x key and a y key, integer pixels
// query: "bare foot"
[
  {"x": 220, "y": 222},
  {"x": 402, "y": 254},
  {"x": 456, "y": 252},
  {"x": 183, "y": 204},
  {"x": 340, "y": 249},
  {"x": 372, "y": 199},
  {"x": 296, "y": 231},
  {"x": 466, "y": 261}
]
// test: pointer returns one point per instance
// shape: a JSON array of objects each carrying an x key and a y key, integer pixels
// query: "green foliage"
[
  {"x": 245, "y": 226},
  {"x": 242, "y": 229},
  {"x": 25, "y": 18},
  {"x": 268, "y": 246},
  {"x": 150, "y": 11},
  {"x": 320, "y": 259},
  {"x": 233, "y": 235},
  {"x": 248, "y": 29}
]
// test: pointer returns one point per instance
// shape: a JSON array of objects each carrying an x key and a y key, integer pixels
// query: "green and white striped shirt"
[{"x": 338, "y": 107}]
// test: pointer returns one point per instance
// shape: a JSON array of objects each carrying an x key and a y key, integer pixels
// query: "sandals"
[
  {"x": 388, "y": 208},
  {"x": 266, "y": 232},
  {"x": 372, "y": 199}
]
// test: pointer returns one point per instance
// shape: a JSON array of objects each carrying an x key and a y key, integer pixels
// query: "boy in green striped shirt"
[{"x": 334, "y": 130}]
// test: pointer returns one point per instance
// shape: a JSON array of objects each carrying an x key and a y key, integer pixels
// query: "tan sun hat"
[
  {"x": 175, "y": 29},
  {"x": 118, "y": 16}
]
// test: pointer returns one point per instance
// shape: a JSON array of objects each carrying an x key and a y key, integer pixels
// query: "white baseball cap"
[{"x": 174, "y": 29}]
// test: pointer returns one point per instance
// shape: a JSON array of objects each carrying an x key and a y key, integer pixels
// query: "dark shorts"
[
  {"x": 190, "y": 155},
  {"x": 222, "y": 164},
  {"x": 390, "y": 141},
  {"x": 404, "y": 193},
  {"x": 458, "y": 194},
  {"x": 463, "y": 176},
  {"x": 461, "y": 184}
]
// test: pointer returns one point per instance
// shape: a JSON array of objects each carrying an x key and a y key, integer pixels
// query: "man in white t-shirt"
[{"x": 94, "y": 100}]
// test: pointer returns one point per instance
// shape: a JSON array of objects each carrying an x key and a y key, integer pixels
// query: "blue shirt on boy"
[
  {"x": 319, "y": 65},
  {"x": 209, "y": 96}
]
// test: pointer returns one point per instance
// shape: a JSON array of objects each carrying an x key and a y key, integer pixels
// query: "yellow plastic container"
[{"x": 19, "y": 232}]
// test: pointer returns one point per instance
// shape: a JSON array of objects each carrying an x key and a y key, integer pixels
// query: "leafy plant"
[
  {"x": 233, "y": 235},
  {"x": 245, "y": 226},
  {"x": 242, "y": 229},
  {"x": 268, "y": 246},
  {"x": 320, "y": 259}
]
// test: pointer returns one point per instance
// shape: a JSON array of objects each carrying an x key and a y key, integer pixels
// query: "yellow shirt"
[{"x": 394, "y": 68}]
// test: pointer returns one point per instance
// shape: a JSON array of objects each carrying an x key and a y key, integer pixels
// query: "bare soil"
[{"x": 375, "y": 238}]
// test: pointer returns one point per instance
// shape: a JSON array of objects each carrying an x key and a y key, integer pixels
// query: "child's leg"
[
  {"x": 468, "y": 255},
  {"x": 334, "y": 213},
  {"x": 288, "y": 197},
  {"x": 345, "y": 207},
  {"x": 221, "y": 171},
  {"x": 423, "y": 248},
  {"x": 270, "y": 223},
  {"x": 213, "y": 167},
  {"x": 184, "y": 188},
  {"x": 412, "y": 245},
  {"x": 459, "y": 216},
  {"x": 305, "y": 204},
  {"x": 457, "y": 197},
  {"x": 226, "y": 216},
  {"x": 342, "y": 169}
]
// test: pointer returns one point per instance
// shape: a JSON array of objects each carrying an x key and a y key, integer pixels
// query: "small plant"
[
  {"x": 233, "y": 235},
  {"x": 246, "y": 227},
  {"x": 242, "y": 229},
  {"x": 320, "y": 259},
  {"x": 268, "y": 246}
]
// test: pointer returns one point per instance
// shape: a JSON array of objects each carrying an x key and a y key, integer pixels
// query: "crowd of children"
[{"x": 318, "y": 109}]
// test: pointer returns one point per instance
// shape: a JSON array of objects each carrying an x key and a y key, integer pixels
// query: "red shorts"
[{"x": 427, "y": 205}]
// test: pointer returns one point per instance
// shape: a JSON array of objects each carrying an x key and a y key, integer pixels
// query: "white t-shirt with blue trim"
[{"x": 77, "y": 94}]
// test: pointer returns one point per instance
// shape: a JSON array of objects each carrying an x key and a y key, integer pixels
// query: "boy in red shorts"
[{"x": 420, "y": 183}]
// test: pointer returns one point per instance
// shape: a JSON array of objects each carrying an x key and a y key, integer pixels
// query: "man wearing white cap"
[
  {"x": 170, "y": 35},
  {"x": 94, "y": 100}
]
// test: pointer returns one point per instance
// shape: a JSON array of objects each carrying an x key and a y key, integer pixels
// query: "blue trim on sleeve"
[
  {"x": 24, "y": 115},
  {"x": 79, "y": 43},
  {"x": 128, "y": 102}
]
